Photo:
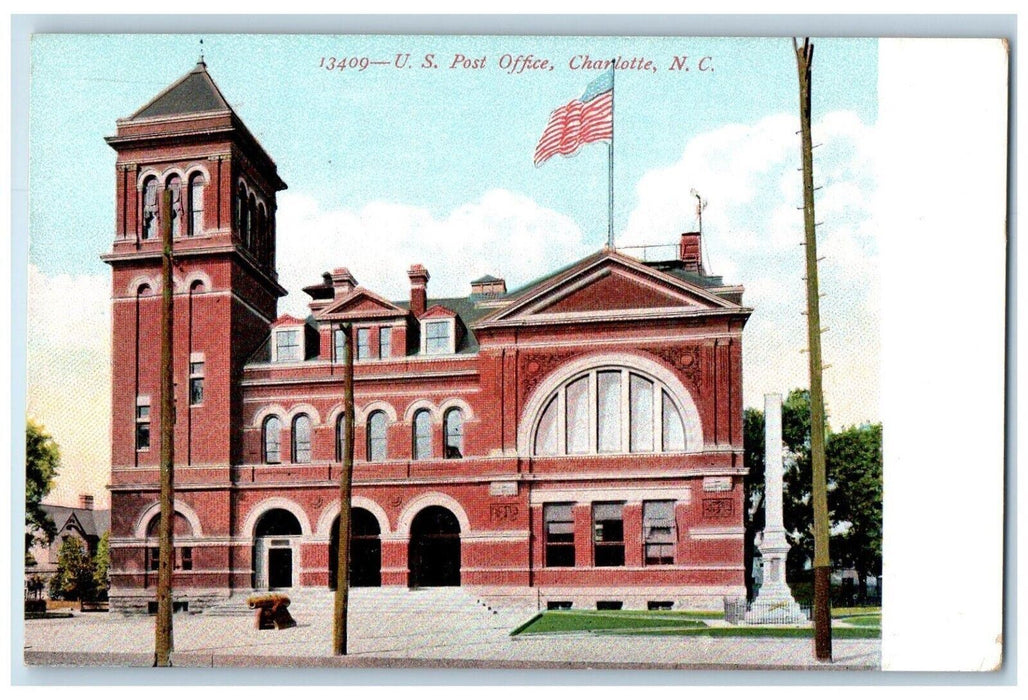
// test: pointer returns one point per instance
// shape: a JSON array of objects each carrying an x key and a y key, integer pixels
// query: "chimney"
[
  {"x": 342, "y": 281},
  {"x": 85, "y": 501},
  {"x": 689, "y": 252},
  {"x": 418, "y": 289},
  {"x": 488, "y": 286}
]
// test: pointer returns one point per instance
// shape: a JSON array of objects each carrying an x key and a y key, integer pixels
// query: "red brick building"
[{"x": 578, "y": 439}]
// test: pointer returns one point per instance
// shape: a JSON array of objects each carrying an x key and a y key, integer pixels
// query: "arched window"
[
  {"x": 241, "y": 210},
  {"x": 150, "y": 209},
  {"x": 251, "y": 222},
  {"x": 272, "y": 440},
  {"x": 422, "y": 434},
  {"x": 261, "y": 235},
  {"x": 340, "y": 437},
  {"x": 301, "y": 439},
  {"x": 453, "y": 432},
  {"x": 609, "y": 410},
  {"x": 377, "y": 436},
  {"x": 175, "y": 188},
  {"x": 196, "y": 204}
]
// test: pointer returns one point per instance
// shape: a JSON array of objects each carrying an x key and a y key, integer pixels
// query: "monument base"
[{"x": 775, "y": 607}]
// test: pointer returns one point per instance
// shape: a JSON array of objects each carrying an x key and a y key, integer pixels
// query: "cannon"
[{"x": 271, "y": 611}]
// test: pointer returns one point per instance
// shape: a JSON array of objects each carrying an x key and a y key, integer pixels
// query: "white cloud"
[
  {"x": 753, "y": 228},
  {"x": 69, "y": 376},
  {"x": 503, "y": 233}
]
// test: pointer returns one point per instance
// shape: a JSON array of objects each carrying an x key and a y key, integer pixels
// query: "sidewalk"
[{"x": 412, "y": 638}]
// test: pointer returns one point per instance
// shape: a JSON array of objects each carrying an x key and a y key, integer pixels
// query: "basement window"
[{"x": 609, "y": 604}]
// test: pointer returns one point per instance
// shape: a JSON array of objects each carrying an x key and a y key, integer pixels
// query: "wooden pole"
[
  {"x": 822, "y": 561},
  {"x": 345, "y": 491},
  {"x": 164, "y": 641}
]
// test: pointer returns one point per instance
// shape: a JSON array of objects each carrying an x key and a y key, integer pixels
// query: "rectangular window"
[
  {"x": 338, "y": 345},
  {"x": 385, "y": 337},
  {"x": 437, "y": 337},
  {"x": 196, "y": 382},
  {"x": 608, "y": 535},
  {"x": 363, "y": 343},
  {"x": 287, "y": 346},
  {"x": 184, "y": 558},
  {"x": 659, "y": 532},
  {"x": 153, "y": 558},
  {"x": 559, "y": 533},
  {"x": 142, "y": 426}
]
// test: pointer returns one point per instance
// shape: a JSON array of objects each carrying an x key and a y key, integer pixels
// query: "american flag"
[{"x": 588, "y": 119}]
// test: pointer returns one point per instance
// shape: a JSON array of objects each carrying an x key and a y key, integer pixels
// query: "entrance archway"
[
  {"x": 434, "y": 551},
  {"x": 276, "y": 535},
  {"x": 365, "y": 550}
]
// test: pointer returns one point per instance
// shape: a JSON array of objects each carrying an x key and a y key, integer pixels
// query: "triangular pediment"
[
  {"x": 361, "y": 304},
  {"x": 608, "y": 285},
  {"x": 438, "y": 311}
]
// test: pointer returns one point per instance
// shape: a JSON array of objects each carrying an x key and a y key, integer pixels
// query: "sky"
[{"x": 390, "y": 166}]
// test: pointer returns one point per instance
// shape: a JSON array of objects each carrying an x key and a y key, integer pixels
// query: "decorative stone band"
[
  {"x": 717, "y": 533},
  {"x": 628, "y": 495}
]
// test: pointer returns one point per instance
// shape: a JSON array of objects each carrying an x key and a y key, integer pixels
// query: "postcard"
[{"x": 506, "y": 351}]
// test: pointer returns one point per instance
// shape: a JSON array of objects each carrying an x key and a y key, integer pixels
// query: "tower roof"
[{"x": 193, "y": 93}]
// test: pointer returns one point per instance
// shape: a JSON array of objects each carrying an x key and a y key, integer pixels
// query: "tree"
[
  {"x": 753, "y": 487},
  {"x": 102, "y": 566},
  {"x": 74, "y": 577},
  {"x": 854, "y": 458},
  {"x": 42, "y": 461}
]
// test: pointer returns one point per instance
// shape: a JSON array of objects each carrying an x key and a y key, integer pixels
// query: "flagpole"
[{"x": 610, "y": 164}]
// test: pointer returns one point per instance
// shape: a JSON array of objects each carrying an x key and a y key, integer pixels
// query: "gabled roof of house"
[
  {"x": 92, "y": 522},
  {"x": 193, "y": 93}
]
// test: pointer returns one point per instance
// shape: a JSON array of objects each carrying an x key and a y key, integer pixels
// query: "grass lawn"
[
  {"x": 603, "y": 621},
  {"x": 862, "y": 620},
  {"x": 681, "y": 623},
  {"x": 843, "y": 612}
]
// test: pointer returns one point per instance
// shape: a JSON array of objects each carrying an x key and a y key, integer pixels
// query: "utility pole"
[
  {"x": 164, "y": 641},
  {"x": 345, "y": 490},
  {"x": 822, "y": 562}
]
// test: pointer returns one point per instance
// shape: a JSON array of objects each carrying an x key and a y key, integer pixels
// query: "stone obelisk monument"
[{"x": 774, "y": 603}]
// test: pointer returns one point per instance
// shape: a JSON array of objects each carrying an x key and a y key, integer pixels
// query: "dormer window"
[
  {"x": 438, "y": 337},
  {"x": 288, "y": 345}
]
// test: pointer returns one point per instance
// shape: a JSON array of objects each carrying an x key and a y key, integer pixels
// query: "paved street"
[{"x": 426, "y": 628}]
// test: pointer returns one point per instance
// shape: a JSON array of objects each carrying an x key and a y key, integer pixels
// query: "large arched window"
[
  {"x": 301, "y": 439},
  {"x": 609, "y": 410},
  {"x": 453, "y": 433},
  {"x": 175, "y": 188},
  {"x": 422, "y": 434},
  {"x": 272, "y": 440},
  {"x": 195, "y": 204},
  {"x": 377, "y": 436},
  {"x": 150, "y": 219}
]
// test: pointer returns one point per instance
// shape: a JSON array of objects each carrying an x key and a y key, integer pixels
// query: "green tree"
[
  {"x": 753, "y": 487},
  {"x": 854, "y": 459},
  {"x": 102, "y": 567},
  {"x": 42, "y": 461},
  {"x": 74, "y": 577}
]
